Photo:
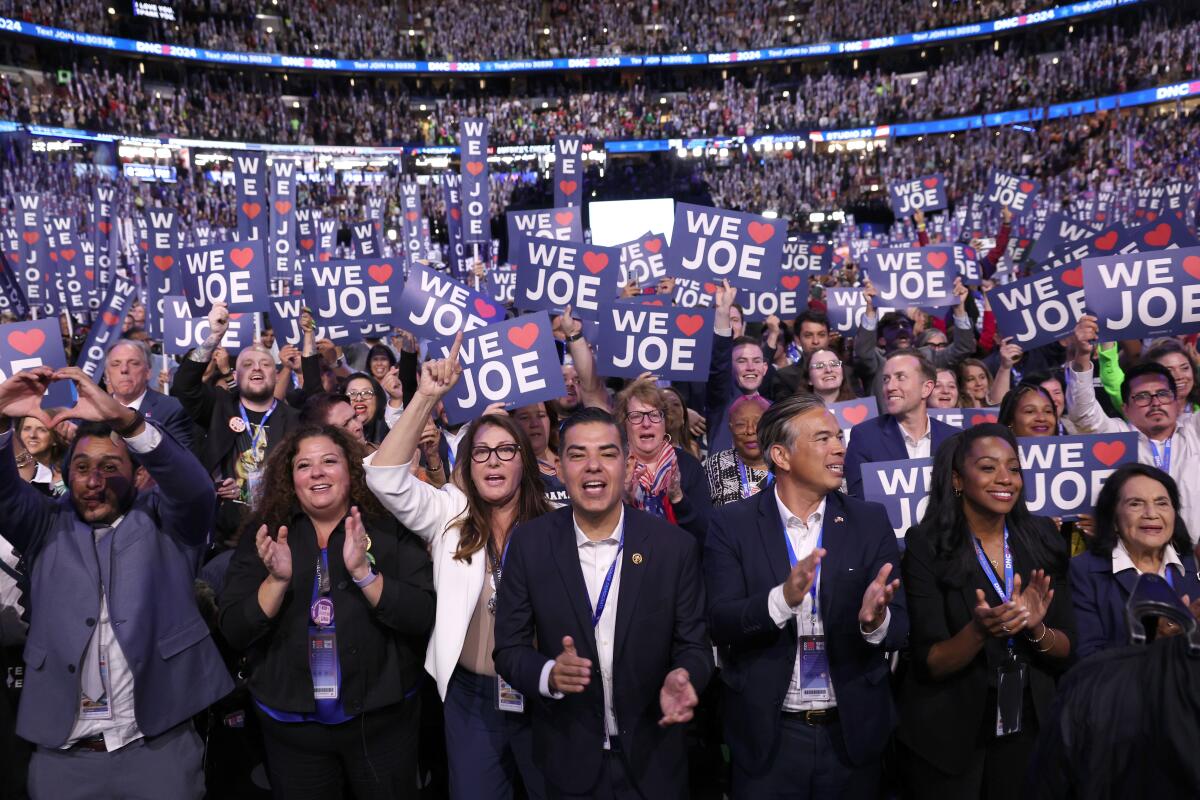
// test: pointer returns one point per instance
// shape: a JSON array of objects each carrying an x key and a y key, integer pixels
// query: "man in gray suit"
[{"x": 118, "y": 658}]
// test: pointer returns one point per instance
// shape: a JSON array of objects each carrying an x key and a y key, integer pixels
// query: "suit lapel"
[
  {"x": 833, "y": 533},
  {"x": 894, "y": 440},
  {"x": 1127, "y": 578},
  {"x": 566, "y": 557},
  {"x": 632, "y": 577},
  {"x": 770, "y": 534}
]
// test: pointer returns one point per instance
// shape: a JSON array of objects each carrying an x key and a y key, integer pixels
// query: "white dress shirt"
[
  {"x": 918, "y": 448},
  {"x": 136, "y": 405},
  {"x": 121, "y": 728},
  {"x": 1121, "y": 561},
  {"x": 595, "y": 559},
  {"x": 1089, "y": 417},
  {"x": 803, "y": 536}
]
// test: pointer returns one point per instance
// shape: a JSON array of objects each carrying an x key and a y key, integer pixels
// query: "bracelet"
[
  {"x": 367, "y": 581},
  {"x": 125, "y": 433},
  {"x": 1053, "y": 639},
  {"x": 575, "y": 337},
  {"x": 1045, "y": 629}
]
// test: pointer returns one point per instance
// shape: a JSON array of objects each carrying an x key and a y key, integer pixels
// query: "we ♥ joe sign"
[
  {"x": 851, "y": 412},
  {"x": 913, "y": 277},
  {"x": 435, "y": 306},
  {"x": 25, "y": 345},
  {"x": 514, "y": 361},
  {"x": 712, "y": 244},
  {"x": 1011, "y": 191},
  {"x": 232, "y": 272},
  {"x": 1142, "y": 295},
  {"x": 1040, "y": 309},
  {"x": 345, "y": 292},
  {"x": 927, "y": 193},
  {"x": 552, "y": 275},
  {"x": 673, "y": 343}
]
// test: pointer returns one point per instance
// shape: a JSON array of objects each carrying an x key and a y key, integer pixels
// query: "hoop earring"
[{"x": 667, "y": 438}]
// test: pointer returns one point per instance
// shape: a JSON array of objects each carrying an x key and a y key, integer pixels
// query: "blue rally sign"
[
  {"x": 927, "y": 193},
  {"x": 901, "y": 487},
  {"x": 1142, "y": 295},
  {"x": 25, "y": 345},
  {"x": 913, "y": 277},
  {"x": 673, "y": 343},
  {"x": 514, "y": 362},
  {"x": 1064, "y": 474},
  {"x": 347, "y": 292},
  {"x": 1040, "y": 309},
  {"x": 713, "y": 244},
  {"x": 231, "y": 272},
  {"x": 552, "y": 275},
  {"x": 435, "y": 306},
  {"x": 182, "y": 331}
]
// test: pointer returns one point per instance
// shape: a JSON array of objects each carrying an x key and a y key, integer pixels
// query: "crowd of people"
[
  {"x": 512, "y": 29},
  {"x": 218, "y": 105}
]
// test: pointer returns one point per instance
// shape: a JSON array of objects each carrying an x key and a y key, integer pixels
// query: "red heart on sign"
[
  {"x": 1108, "y": 453},
  {"x": 983, "y": 419},
  {"x": 790, "y": 282},
  {"x": 26, "y": 342},
  {"x": 53, "y": 255},
  {"x": 307, "y": 244},
  {"x": 936, "y": 260},
  {"x": 241, "y": 256},
  {"x": 283, "y": 206},
  {"x": 380, "y": 273},
  {"x": 89, "y": 274},
  {"x": 568, "y": 187},
  {"x": 454, "y": 212},
  {"x": 524, "y": 336},
  {"x": 1108, "y": 241},
  {"x": 760, "y": 231},
  {"x": 930, "y": 182},
  {"x": 251, "y": 210},
  {"x": 1191, "y": 265},
  {"x": 1151, "y": 215},
  {"x": 710, "y": 288},
  {"x": 110, "y": 318},
  {"x": 378, "y": 225},
  {"x": 14, "y": 257},
  {"x": 1160, "y": 236},
  {"x": 595, "y": 262},
  {"x": 564, "y": 217},
  {"x": 817, "y": 249},
  {"x": 1073, "y": 277},
  {"x": 855, "y": 414},
  {"x": 652, "y": 302},
  {"x": 144, "y": 245},
  {"x": 104, "y": 227},
  {"x": 653, "y": 245},
  {"x": 30, "y": 237},
  {"x": 412, "y": 216},
  {"x": 163, "y": 262},
  {"x": 474, "y": 167},
  {"x": 323, "y": 257},
  {"x": 689, "y": 323},
  {"x": 484, "y": 308},
  {"x": 1026, "y": 187},
  {"x": 1100, "y": 215},
  {"x": 236, "y": 316},
  {"x": 67, "y": 254}
]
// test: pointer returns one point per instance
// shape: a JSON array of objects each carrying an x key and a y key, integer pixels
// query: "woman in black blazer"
[
  {"x": 332, "y": 601},
  {"x": 980, "y": 631}
]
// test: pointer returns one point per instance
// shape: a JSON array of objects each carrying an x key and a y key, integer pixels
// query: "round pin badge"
[
  {"x": 322, "y": 612},
  {"x": 237, "y": 424}
]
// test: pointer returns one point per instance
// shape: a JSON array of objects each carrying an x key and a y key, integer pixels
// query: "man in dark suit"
[
  {"x": 127, "y": 377},
  {"x": 906, "y": 429},
  {"x": 803, "y": 606},
  {"x": 600, "y": 625}
]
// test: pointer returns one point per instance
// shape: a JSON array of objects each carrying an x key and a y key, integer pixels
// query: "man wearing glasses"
[{"x": 1150, "y": 405}]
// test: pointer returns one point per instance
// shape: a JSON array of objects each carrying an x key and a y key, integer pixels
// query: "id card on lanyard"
[
  {"x": 1010, "y": 676},
  {"x": 1162, "y": 458},
  {"x": 254, "y": 477},
  {"x": 507, "y": 698},
  {"x": 322, "y": 636},
  {"x": 750, "y": 488},
  {"x": 813, "y": 680}
]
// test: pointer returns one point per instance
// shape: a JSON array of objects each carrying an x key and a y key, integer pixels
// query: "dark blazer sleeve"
[
  {"x": 1060, "y": 615},
  {"x": 692, "y": 648},
  {"x": 310, "y": 375},
  {"x": 241, "y": 619},
  {"x": 1090, "y": 635},
  {"x": 720, "y": 377},
  {"x": 856, "y": 456},
  {"x": 887, "y": 551},
  {"x": 169, "y": 414},
  {"x": 407, "y": 371},
  {"x": 926, "y": 603},
  {"x": 188, "y": 500},
  {"x": 25, "y": 513},
  {"x": 693, "y": 511},
  {"x": 734, "y": 618},
  {"x": 515, "y": 655},
  {"x": 406, "y": 604},
  {"x": 197, "y": 397}
]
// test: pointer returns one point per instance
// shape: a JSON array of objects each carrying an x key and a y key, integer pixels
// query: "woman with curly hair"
[
  {"x": 331, "y": 601},
  {"x": 496, "y": 486}
]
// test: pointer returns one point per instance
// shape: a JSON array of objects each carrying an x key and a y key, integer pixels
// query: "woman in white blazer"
[{"x": 467, "y": 522}]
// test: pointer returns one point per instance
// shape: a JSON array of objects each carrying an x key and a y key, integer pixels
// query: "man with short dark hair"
[
  {"x": 600, "y": 625},
  {"x": 326, "y": 408},
  {"x": 127, "y": 368},
  {"x": 804, "y": 602},
  {"x": 905, "y": 429},
  {"x": 1149, "y": 402},
  {"x": 118, "y": 659},
  {"x": 811, "y": 333}
]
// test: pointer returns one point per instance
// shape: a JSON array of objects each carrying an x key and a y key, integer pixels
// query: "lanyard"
[
  {"x": 261, "y": 427},
  {"x": 1170, "y": 576},
  {"x": 450, "y": 457},
  {"x": 497, "y": 568},
  {"x": 602, "y": 600},
  {"x": 792, "y": 560},
  {"x": 1004, "y": 592},
  {"x": 1162, "y": 458},
  {"x": 744, "y": 477}
]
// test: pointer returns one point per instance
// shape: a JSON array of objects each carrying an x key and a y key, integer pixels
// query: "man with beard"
[
  {"x": 118, "y": 659},
  {"x": 241, "y": 429},
  {"x": 127, "y": 377}
]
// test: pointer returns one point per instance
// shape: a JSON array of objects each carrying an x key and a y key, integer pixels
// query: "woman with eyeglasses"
[
  {"x": 740, "y": 472},
  {"x": 466, "y": 523},
  {"x": 368, "y": 400},
  {"x": 662, "y": 479},
  {"x": 827, "y": 376}
]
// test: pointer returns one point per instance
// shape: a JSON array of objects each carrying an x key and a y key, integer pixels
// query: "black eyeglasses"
[
  {"x": 481, "y": 454},
  {"x": 1163, "y": 396},
  {"x": 636, "y": 417},
  {"x": 361, "y": 395}
]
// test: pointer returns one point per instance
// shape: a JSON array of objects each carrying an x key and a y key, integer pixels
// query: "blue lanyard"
[
  {"x": 602, "y": 600},
  {"x": 1005, "y": 592},
  {"x": 1162, "y": 458},
  {"x": 745, "y": 477},
  {"x": 450, "y": 455},
  {"x": 1170, "y": 576},
  {"x": 792, "y": 560},
  {"x": 261, "y": 427}
]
